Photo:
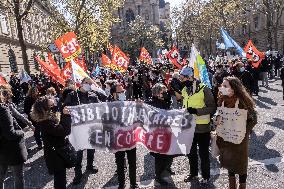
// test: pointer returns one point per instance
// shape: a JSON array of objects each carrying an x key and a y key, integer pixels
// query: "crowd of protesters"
[{"x": 44, "y": 100}]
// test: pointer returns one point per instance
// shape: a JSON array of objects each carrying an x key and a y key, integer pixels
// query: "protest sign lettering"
[{"x": 119, "y": 126}]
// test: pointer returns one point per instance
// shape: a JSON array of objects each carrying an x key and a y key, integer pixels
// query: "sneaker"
[
  {"x": 204, "y": 181},
  {"x": 77, "y": 180},
  {"x": 189, "y": 178},
  {"x": 92, "y": 170}
]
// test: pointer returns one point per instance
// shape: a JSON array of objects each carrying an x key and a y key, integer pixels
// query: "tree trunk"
[
  {"x": 275, "y": 31},
  {"x": 23, "y": 45},
  {"x": 78, "y": 21},
  {"x": 269, "y": 29}
]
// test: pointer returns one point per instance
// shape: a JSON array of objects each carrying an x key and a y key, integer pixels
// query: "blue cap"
[{"x": 186, "y": 71}]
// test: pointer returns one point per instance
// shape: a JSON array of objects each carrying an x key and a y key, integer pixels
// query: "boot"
[
  {"x": 232, "y": 183},
  {"x": 243, "y": 186}
]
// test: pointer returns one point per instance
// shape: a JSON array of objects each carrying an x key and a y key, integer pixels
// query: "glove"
[{"x": 192, "y": 110}]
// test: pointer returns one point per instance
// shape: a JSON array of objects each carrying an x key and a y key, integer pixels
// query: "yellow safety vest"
[{"x": 196, "y": 101}]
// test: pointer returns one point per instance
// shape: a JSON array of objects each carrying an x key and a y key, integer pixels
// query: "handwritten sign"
[{"x": 232, "y": 123}]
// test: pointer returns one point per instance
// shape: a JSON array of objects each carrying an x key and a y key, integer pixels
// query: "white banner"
[{"x": 119, "y": 126}]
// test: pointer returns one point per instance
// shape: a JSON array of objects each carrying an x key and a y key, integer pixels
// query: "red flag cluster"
[
  {"x": 70, "y": 49},
  {"x": 119, "y": 60}
]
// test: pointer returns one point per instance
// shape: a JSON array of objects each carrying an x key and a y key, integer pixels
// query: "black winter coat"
[
  {"x": 28, "y": 104},
  {"x": 13, "y": 149},
  {"x": 247, "y": 80},
  {"x": 77, "y": 97},
  {"x": 53, "y": 136},
  {"x": 161, "y": 104}
]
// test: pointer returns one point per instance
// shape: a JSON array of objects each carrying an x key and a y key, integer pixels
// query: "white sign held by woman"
[{"x": 232, "y": 123}]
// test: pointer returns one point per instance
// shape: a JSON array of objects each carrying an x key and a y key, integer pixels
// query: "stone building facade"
[
  {"x": 256, "y": 30},
  {"x": 36, "y": 34},
  {"x": 154, "y": 12}
]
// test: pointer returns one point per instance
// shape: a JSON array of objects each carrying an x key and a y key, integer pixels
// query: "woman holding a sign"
[{"x": 236, "y": 117}]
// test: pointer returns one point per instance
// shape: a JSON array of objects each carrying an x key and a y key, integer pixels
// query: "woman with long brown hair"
[
  {"x": 234, "y": 157},
  {"x": 54, "y": 132}
]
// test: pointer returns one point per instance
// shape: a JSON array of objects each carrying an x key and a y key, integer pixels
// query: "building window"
[
  {"x": 139, "y": 9},
  {"x": 29, "y": 32},
  {"x": 36, "y": 40},
  {"x": 119, "y": 13},
  {"x": 4, "y": 23},
  {"x": 129, "y": 15},
  {"x": 256, "y": 22},
  {"x": 244, "y": 29}
]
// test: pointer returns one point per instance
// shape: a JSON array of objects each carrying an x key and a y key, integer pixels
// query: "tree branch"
[
  {"x": 77, "y": 22},
  {"x": 28, "y": 8}
]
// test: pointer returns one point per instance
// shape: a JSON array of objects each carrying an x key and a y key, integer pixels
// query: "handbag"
[
  {"x": 232, "y": 124},
  {"x": 67, "y": 153},
  {"x": 215, "y": 152}
]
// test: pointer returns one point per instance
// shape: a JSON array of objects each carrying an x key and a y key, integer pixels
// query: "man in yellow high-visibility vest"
[{"x": 199, "y": 101}]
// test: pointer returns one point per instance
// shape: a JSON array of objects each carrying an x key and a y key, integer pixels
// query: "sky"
[{"x": 174, "y": 2}]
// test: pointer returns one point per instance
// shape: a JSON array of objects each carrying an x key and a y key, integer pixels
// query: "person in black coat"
[
  {"x": 87, "y": 94},
  {"x": 30, "y": 99},
  {"x": 175, "y": 87},
  {"x": 117, "y": 93},
  {"x": 161, "y": 99},
  {"x": 54, "y": 133},
  {"x": 245, "y": 77},
  {"x": 282, "y": 78},
  {"x": 13, "y": 152}
]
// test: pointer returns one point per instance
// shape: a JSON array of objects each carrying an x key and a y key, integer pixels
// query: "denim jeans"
[{"x": 18, "y": 174}]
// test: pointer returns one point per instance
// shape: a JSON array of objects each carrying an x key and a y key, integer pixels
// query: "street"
[{"x": 266, "y": 164}]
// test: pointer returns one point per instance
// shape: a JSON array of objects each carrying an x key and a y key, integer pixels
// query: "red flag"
[
  {"x": 54, "y": 66},
  {"x": 255, "y": 55},
  {"x": 145, "y": 56},
  {"x": 66, "y": 72},
  {"x": 119, "y": 59},
  {"x": 68, "y": 46},
  {"x": 174, "y": 57},
  {"x": 105, "y": 60},
  {"x": 49, "y": 70},
  {"x": 2, "y": 81}
]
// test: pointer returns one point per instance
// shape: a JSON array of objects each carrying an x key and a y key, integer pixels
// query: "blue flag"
[
  {"x": 97, "y": 71},
  {"x": 24, "y": 77},
  {"x": 231, "y": 43}
]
